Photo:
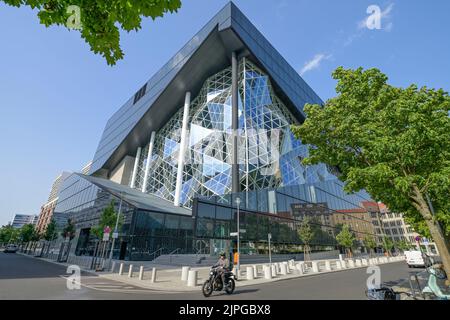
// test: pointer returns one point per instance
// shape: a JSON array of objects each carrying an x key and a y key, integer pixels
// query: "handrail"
[
  {"x": 172, "y": 253},
  {"x": 154, "y": 253}
]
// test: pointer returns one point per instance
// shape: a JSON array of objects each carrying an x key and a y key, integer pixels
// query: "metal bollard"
[
  {"x": 192, "y": 278},
  {"x": 121, "y": 269},
  {"x": 141, "y": 273},
  {"x": 184, "y": 273},
  {"x": 153, "y": 275},
  {"x": 250, "y": 273},
  {"x": 130, "y": 271},
  {"x": 113, "y": 266}
]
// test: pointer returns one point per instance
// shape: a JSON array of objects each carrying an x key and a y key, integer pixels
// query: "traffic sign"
[
  {"x": 233, "y": 234},
  {"x": 242, "y": 231},
  {"x": 106, "y": 236},
  {"x": 115, "y": 235},
  {"x": 107, "y": 229}
]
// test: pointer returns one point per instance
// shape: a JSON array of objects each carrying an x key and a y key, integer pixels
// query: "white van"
[{"x": 415, "y": 258}]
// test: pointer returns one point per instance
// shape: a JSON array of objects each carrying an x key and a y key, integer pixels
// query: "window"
[{"x": 140, "y": 94}]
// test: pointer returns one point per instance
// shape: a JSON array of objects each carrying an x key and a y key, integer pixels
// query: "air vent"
[{"x": 140, "y": 94}]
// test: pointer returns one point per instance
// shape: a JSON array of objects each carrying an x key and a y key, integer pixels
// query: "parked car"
[
  {"x": 11, "y": 248},
  {"x": 415, "y": 258}
]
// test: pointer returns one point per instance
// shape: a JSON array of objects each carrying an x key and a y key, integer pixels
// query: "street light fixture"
[{"x": 238, "y": 202}]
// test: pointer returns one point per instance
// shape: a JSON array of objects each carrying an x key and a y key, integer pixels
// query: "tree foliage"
[
  {"x": 346, "y": 238},
  {"x": 305, "y": 232},
  {"x": 107, "y": 219},
  {"x": 51, "y": 233},
  {"x": 69, "y": 230},
  {"x": 27, "y": 233},
  {"x": 8, "y": 234},
  {"x": 393, "y": 142},
  {"x": 100, "y": 20},
  {"x": 369, "y": 242}
]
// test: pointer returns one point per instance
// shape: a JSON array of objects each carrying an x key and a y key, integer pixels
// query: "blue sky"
[{"x": 56, "y": 96}]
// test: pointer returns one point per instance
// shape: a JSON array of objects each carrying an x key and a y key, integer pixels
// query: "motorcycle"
[{"x": 214, "y": 283}]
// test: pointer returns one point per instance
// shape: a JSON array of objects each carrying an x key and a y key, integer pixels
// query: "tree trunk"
[{"x": 435, "y": 229}]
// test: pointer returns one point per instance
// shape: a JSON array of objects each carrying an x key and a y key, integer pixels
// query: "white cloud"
[
  {"x": 314, "y": 62},
  {"x": 384, "y": 16}
]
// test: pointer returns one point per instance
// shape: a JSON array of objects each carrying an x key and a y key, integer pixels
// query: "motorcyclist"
[{"x": 222, "y": 266}]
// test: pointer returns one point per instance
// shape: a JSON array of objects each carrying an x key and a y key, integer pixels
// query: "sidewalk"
[{"x": 170, "y": 280}]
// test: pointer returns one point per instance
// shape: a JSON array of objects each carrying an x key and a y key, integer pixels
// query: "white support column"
[
  {"x": 135, "y": 168},
  {"x": 183, "y": 143},
  {"x": 147, "y": 165}
]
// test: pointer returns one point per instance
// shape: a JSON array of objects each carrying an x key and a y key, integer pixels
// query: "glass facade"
[
  {"x": 269, "y": 155},
  {"x": 280, "y": 213}
]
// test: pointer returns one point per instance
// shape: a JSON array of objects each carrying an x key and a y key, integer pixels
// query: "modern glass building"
[{"x": 212, "y": 125}]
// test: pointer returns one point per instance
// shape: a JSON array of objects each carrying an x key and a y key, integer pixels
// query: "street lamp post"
[
  {"x": 115, "y": 232},
  {"x": 238, "y": 202},
  {"x": 269, "y": 236}
]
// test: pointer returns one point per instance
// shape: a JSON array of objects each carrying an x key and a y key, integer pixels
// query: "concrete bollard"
[
  {"x": 327, "y": 265},
  {"x": 299, "y": 268},
  {"x": 192, "y": 278},
  {"x": 351, "y": 263},
  {"x": 364, "y": 262},
  {"x": 283, "y": 269},
  {"x": 338, "y": 265},
  {"x": 130, "y": 271},
  {"x": 153, "y": 275},
  {"x": 273, "y": 269},
  {"x": 267, "y": 272},
  {"x": 358, "y": 263},
  {"x": 121, "y": 269},
  {"x": 315, "y": 266},
  {"x": 250, "y": 273},
  {"x": 288, "y": 269},
  {"x": 184, "y": 273},
  {"x": 141, "y": 273},
  {"x": 255, "y": 271}
]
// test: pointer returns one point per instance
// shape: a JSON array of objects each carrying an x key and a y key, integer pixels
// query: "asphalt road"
[{"x": 24, "y": 277}]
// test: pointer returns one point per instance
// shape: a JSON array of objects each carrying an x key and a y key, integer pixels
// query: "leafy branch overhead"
[
  {"x": 100, "y": 20},
  {"x": 393, "y": 142}
]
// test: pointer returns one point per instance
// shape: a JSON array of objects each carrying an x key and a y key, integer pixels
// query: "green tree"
[
  {"x": 69, "y": 230},
  {"x": 107, "y": 219},
  {"x": 27, "y": 233},
  {"x": 306, "y": 235},
  {"x": 370, "y": 243},
  {"x": 99, "y": 21},
  {"x": 388, "y": 245},
  {"x": 403, "y": 245},
  {"x": 8, "y": 234},
  {"x": 346, "y": 239},
  {"x": 51, "y": 232},
  {"x": 393, "y": 142}
]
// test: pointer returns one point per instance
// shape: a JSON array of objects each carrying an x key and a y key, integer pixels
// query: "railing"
[
  {"x": 173, "y": 253},
  {"x": 156, "y": 254}
]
